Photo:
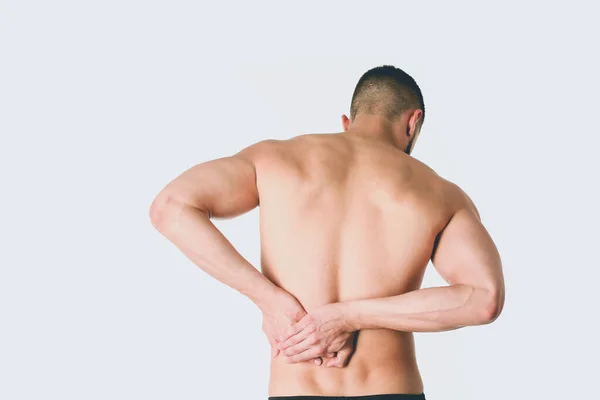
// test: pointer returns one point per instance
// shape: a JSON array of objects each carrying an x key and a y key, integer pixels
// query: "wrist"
[
  {"x": 273, "y": 299},
  {"x": 348, "y": 315},
  {"x": 264, "y": 296}
]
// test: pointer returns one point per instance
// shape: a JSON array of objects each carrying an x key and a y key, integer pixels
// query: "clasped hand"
[{"x": 321, "y": 336}]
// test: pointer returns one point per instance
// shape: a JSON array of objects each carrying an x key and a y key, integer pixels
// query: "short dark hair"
[{"x": 388, "y": 91}]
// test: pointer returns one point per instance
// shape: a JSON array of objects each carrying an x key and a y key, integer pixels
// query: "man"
[{"x": 348, "y": 223}]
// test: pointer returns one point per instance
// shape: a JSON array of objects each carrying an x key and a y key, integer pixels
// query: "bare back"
[{"x": 344, "y": 218}]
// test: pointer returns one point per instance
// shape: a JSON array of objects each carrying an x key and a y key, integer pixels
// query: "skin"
[{"x": 348, "y": 224}]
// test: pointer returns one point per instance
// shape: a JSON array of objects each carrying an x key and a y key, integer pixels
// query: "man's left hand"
[{"x": 322, "y": 332}]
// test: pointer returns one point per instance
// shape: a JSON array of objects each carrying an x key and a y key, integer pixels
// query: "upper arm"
[
  {"x": 222, "y": 188},
  {"x": 465, "y": 252}
]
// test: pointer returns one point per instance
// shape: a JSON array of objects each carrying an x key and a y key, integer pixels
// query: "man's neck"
[{"x": 378, "y": 128}]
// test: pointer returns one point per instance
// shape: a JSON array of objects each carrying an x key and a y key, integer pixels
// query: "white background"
[{"x": 104, "y": 102}]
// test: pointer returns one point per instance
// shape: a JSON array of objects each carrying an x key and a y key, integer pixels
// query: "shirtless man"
[{"x": 348, "y": 223}]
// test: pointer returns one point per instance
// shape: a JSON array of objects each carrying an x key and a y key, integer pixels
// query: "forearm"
[
  {"x": 424, "y": 310},
  {"x": 191, "y": 230}
]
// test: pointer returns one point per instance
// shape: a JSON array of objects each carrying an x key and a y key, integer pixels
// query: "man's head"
[{"x": 393, "y": 96}]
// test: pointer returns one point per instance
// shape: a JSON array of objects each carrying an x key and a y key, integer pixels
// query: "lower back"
[{"x": 383, "y": 362}]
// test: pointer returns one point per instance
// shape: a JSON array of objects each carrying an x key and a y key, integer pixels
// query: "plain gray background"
[{"x": 102, "y": 103}]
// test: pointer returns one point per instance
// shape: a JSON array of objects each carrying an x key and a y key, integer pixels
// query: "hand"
[
  {"x": 322, "y": 332},
  {"x": 281, "y": 312}
]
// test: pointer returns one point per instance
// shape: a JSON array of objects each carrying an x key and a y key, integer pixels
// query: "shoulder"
[
  {"x": 276, "y": 148},
  {"x": 273, "y": 155},
  {"x": 260, "y": 150},
  {"x": 459, "y": 199}
]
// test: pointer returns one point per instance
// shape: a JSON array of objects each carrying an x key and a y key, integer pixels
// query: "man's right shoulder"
[{"x": 459, "y": 199}]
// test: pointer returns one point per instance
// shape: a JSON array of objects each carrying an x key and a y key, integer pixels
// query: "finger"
[
  {"x": 294, "y": 329},
  {"x": 341, "y": 360},
  {"x": 330, "y": 355},
  {"x": 306, "y": 344},
  {"x": 318, "y": 361},
  {"x": 294, "y": 340},
  {"x": 309, "y": 354}
]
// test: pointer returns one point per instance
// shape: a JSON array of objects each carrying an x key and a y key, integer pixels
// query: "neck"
[{"x": 380, "y": 128}]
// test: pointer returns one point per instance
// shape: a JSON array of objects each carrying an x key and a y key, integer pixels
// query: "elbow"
[
  {"x": 491, "y": 306},
  {"x": 161, "y": 210},
  {"x": 167, "y": 207}
]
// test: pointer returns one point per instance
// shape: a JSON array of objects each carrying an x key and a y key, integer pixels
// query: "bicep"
[
  {"x": 466, "y": 254},
  {"x": 222, "y": 188}
]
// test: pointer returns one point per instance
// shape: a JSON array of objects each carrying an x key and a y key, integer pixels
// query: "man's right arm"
[{"x": 467, "y": 258}]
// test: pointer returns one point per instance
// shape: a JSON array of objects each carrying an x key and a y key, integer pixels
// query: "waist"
[
  {"x": 386, "y": 396},
  {"x": 383, "y": 362}
]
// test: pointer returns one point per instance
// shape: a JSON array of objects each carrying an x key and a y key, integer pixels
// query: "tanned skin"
[{"x": 348, "y": 224}]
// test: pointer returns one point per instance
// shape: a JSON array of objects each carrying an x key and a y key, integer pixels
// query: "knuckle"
[{"x": 312, "y": 327}]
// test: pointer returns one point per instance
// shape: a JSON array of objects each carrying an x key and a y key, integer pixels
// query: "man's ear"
[
  {"x": 414, "y": 118},
  {"x": 345, "y": 122}
]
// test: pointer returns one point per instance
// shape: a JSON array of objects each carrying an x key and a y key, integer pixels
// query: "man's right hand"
[
  {"x": 283, "y": 311},
  {"x": 322, "y": 331}
]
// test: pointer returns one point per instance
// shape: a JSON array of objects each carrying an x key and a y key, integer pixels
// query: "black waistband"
[{"x": 367, "y": 397}]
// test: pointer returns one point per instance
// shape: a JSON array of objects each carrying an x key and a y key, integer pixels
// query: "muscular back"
[{"x": 342, "y": 218}]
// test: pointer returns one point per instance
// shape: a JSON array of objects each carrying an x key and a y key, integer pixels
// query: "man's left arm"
[{"x": 222, "y": 188}]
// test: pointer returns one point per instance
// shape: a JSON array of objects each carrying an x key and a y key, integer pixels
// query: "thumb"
[
  {"x": 274, "y": 349},
  {"x": 296, "y": 315},
  {"x": 341, "y": 360},
  {"x": 274, "y": 352}
]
